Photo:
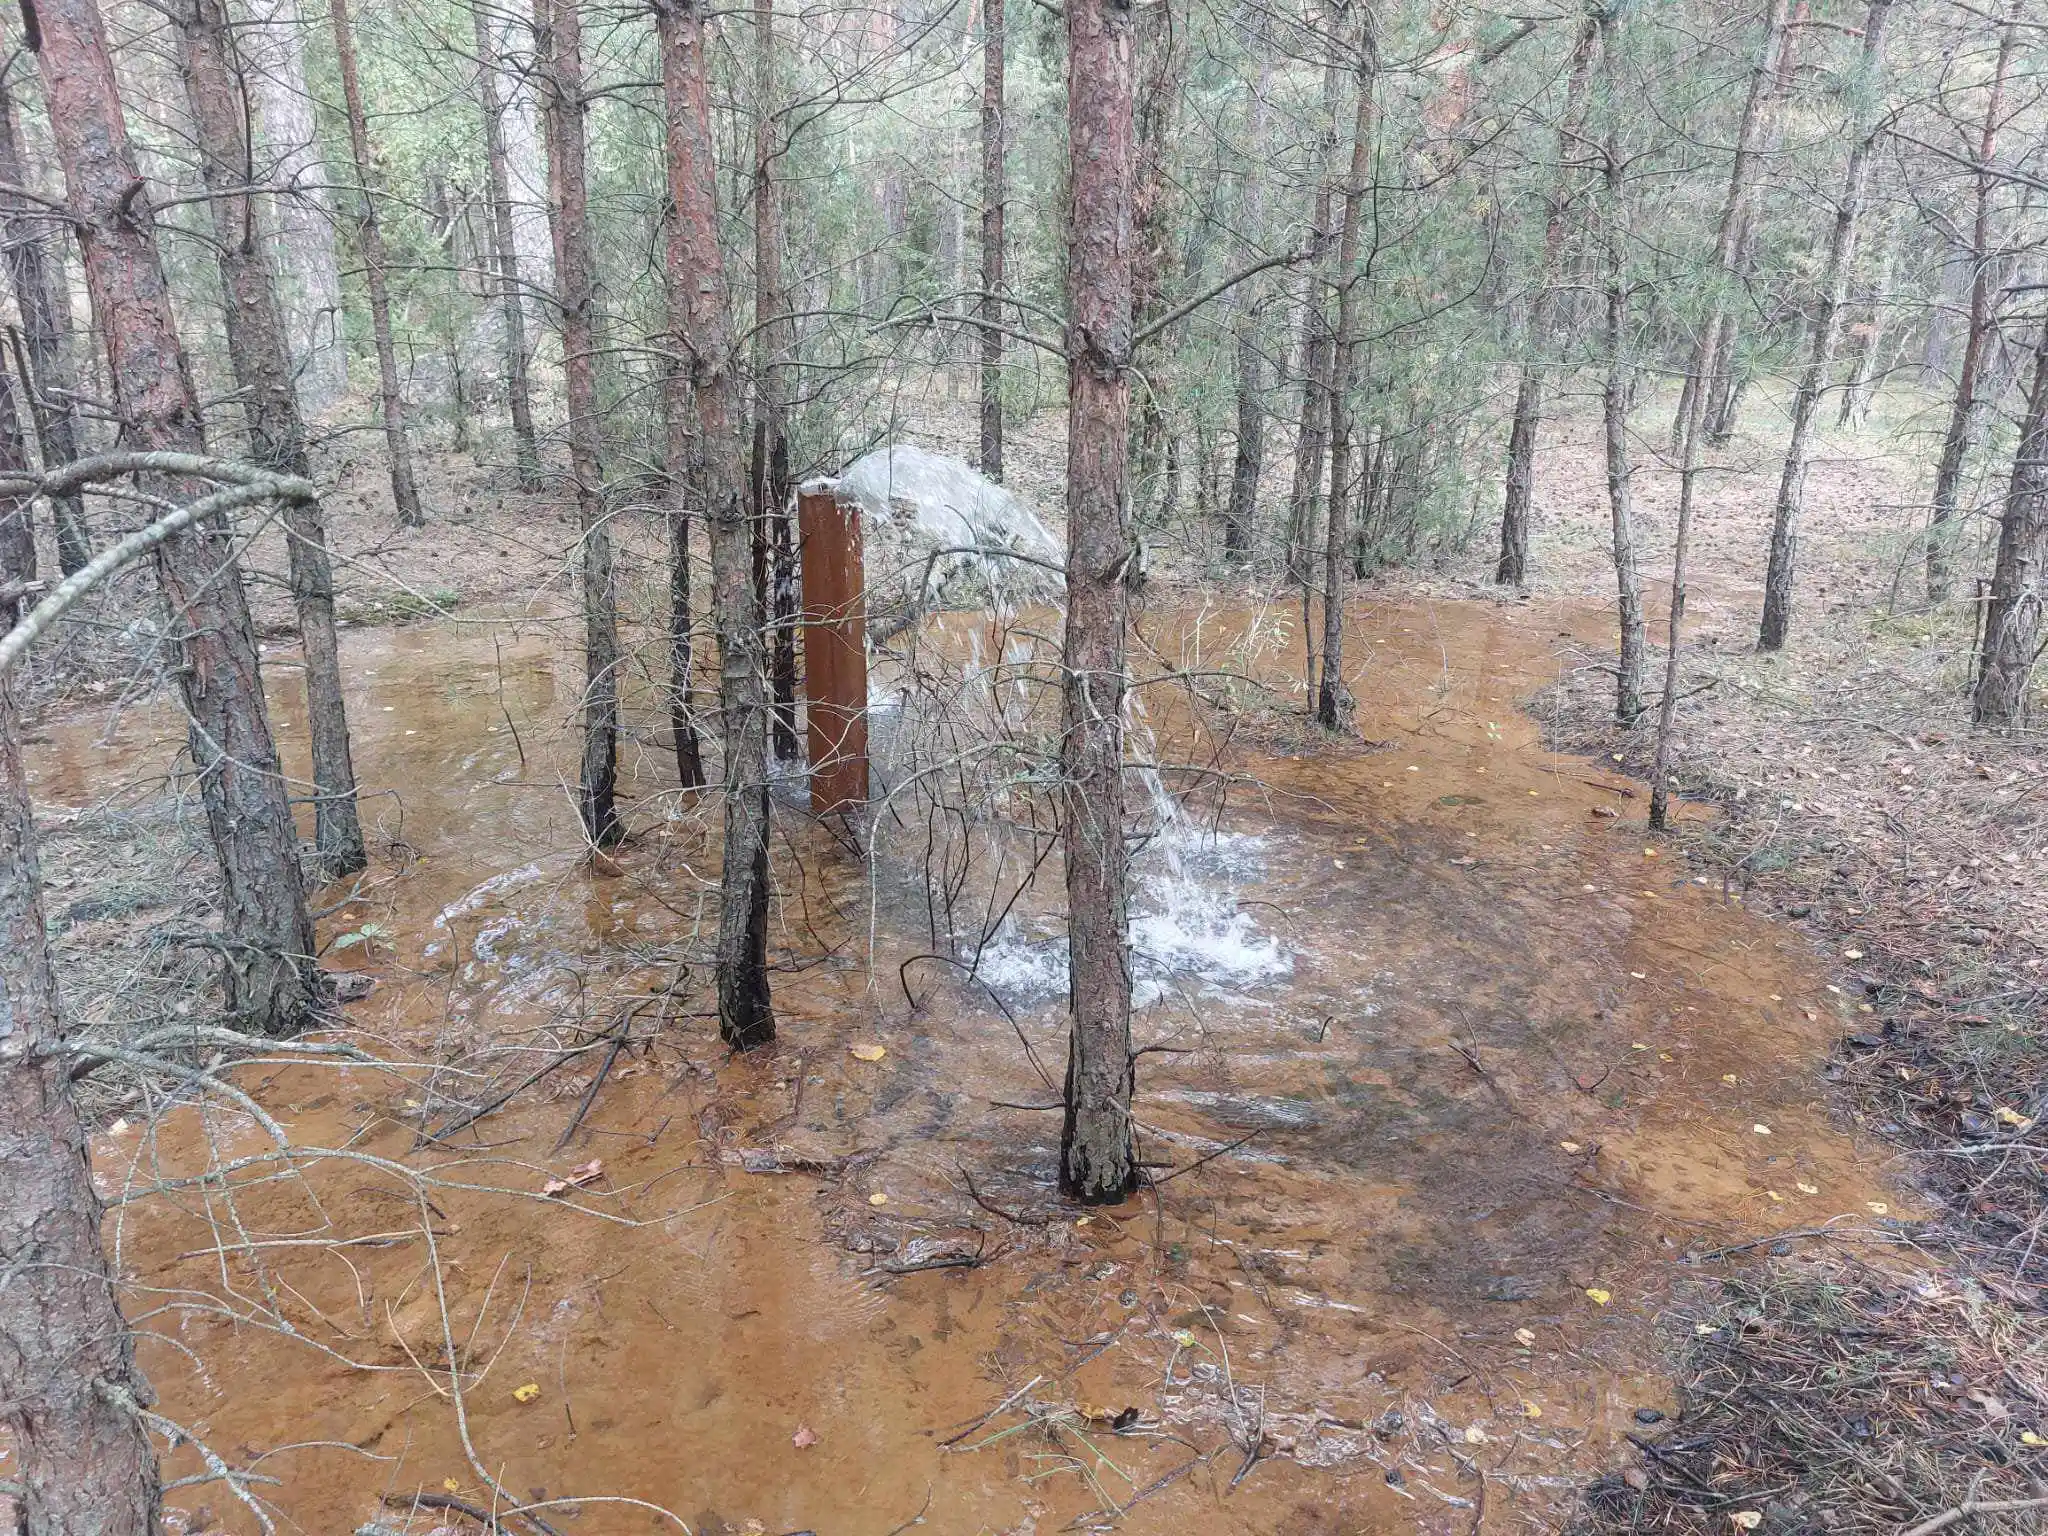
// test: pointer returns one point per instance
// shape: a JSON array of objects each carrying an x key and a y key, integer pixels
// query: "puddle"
[{"x": 1434, "y": 1051}]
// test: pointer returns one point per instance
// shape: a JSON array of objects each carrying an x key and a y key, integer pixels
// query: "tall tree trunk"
[
  {"x": 1098, "y": 1158},
  {"x": 682, "y": 477},
  {"x": 1312, "y": 440},
  {"x": 37, "y": 274},
  {"x": 275, "y": 45},
  {"x": 1617, "y": 394},
  {"x": 1692, "y": 420},
  {"x": 273, "y": 980},
  {"x": 994, "y": 206},
  {"x": 1512, "y": 570},
  {"x": 405, "y": 494},
  {"x": 1967, "y": 406},
  {"x": 1246, "y": 321},
  {"x": 1333, "y": 704},
  {"x": 505, "y": 255},
  {"x": 774, "y": 343},
  {"x": 1868, "y": 339},
  {"x": 1836, "y": 268},
  {"x": 69, "y": 1386},
  {"x": 2019, "y": 582},
  {"x": 558, "y": 35},
  {"x": 214, "y": 89},
  {"x": 746, "y": 1016}
]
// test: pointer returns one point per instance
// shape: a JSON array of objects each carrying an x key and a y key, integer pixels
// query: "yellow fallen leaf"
[
  {"x": 451, "y": 1485},
  {"x": 2028, "y": 1437},
  {"x": 527, "y": 1393},
  {"x": 878, "y": 1198},
  {"x": 1761, "y": 1130},
  {"x": 1807, "y": 1189},
  {"x": 1183, "y": 1338},
  {"x": 1649, "y": 853},
  {"x": 1776, "y": 998},
  {"x": 1525, "y": 1337},
  {"x": 1852, "y": 954},
  {"x": 1776, "y": 1198},
  {"x": 1727, "y": 1077},
  {"x": 1640, "y": 975},
  {"x": 1598, "y": 1297},
  {"x": 1569, "y": 1146},
  {"x": 2009, "y": 1116},
  {"x": 1746, "y": 1519},
  {"x": 1474, "y": 1435},
  {"x": 1877, "y": 1207},
  {"x": 1530, "y": 1410},
  {"x": 1637, "y": 1045},
  {"x": 867, "y": 1052}
]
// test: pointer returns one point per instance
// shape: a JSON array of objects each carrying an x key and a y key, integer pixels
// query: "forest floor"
[{"x": 1859, "y": 1359}]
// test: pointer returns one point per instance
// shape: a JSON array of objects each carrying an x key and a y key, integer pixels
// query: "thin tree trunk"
[
  {"x": 1868, "y": 341},
  {"x": 1246, "y": 321},
  {"x": 2019, "y": 581},
  {"x": 1512, "y": 570},
  {"x": 273, "y": 980},
  {"x": 682, "y": 476},
  {"x": 263, "y": 378},
  {"x": 275, "y": 45},
  {"x": 1098, "y": 1158},
  {"x": 558, "y": 34},
  {"x": 1333, "y": 704},
  {"x": 994, "y": 206},
  {"x": 1692, "y": 419},
  {"x": 1616, "y": 396},
  {"x": 697, "y": 271},
  {"x": 773, "y": 344},
  {"x": 69, "y": 1386},
  {"x": 405, "y": 494},
  {"x": 505, "y": 255},
  {"x": 1968, "y": 403},
  {"x": 37, "y": 274},
  {"x": 1813, "y": 379}
]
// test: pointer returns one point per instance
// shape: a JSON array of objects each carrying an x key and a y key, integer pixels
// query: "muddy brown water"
[{"x": 1518, "y": 1070}]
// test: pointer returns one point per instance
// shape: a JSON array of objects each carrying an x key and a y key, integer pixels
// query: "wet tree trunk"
[
  {"x": 1692, "y": 419},
  {"x": 994, "y": 207},
  {"x": 405, "y": 494},
  {"x": 1311, "y": 440},
  {"x": 1098, "y": 1159},
  {"x": 558, "y": 35},
  {"x": 1836, "y": 268},
  {"x": 1512, "y": 570},
  {"x": 505, "y": 257},
  {"x": 69, "y": 1385},
  {"x": 273, "y": 981},
  {"x": 263, "y": 377},
  {"x": 37, "y": 274},
  {"x": 697, "y": 272},
  {"x": 773, "y": 346},
  {"x": 1967, "y": 407},
  {"x": 1333, "y": 704},
  {"x": 681, "y": 449},
  {"x": 1616, "y": 395},
  {"x": 2013, "y": 619}
]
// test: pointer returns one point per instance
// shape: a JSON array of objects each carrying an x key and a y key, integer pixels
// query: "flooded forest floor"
[{"x": 1513, "y": 1168}]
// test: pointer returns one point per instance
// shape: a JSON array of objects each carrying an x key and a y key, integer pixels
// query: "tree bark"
[
  {"x": 37, "y": 274},
  {"x": 1098, "y": 1159},
  {"x": 1692, "y": 417},
  {"x": 68, "y": 1379},
  {"x": 682, "y": 477},
  {"x": 994, "y": 207},
  {"x": 405, "y": 494},
  {"x": 773, "y": 346},
  {"x": 214, "y": 89},
  {"x": 273, "y": 980},
  {"x": 558, "y": 46},
  {"x": 746, "y": 1016},
  {"x": 2019, "y": 582},
  {"x": 1967, "y": 407},
  {"x": 1311, "y": 440},
  {"x": 505, "y": 256},
  {"x": 1617, "y": 395},
  {"x": 1333, "y": 704},
  {"x": 1836, "y": 268},
  {"x": 1246, "y": 316},
  {"x": 312, "y": 296},
  {"x": 1512, "y": 570}
]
